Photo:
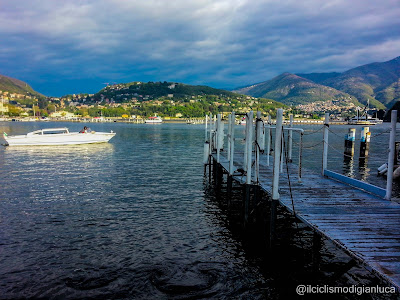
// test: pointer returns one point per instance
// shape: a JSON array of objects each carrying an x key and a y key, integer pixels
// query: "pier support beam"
[
  {"x": 272, "y": 222},
  {"x": 229, "y": 189},
  {"x": 247, "y": 189},
  {"x": 316, "y": 251}
]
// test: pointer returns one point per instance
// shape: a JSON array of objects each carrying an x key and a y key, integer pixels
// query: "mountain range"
[{"x": 378, "y": 83}]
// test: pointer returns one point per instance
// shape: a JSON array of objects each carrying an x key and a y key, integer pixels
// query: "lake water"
[{"x": 134, "y": 218}]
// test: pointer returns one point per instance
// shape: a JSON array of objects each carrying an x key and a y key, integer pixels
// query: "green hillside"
[
  {"x": 369, "y": 82},
  {"x": 377, "y": 83},
  {"x": 155, "y": 90},
  {"x": 12, "y": 85},
  {"x": 168, "y": 99},
  {"x": 390, "y": 94},
  {"x": 292, "y": 89},
  {"x": 319, "y": 77}
]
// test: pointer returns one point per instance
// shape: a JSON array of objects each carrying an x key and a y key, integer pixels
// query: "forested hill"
[
  {"x": 154, "y": 90},
  {"x": 171, "y": 99},
  {"x": 12, "y": 85}
]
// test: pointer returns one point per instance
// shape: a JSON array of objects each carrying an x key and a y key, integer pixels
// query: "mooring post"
[
  {"x": 277, "y": 154},
  {"x": 268, "y": 136},
  {"x": 232, "y": 143},
  {"x": 282, "y": 153},
  {"x": 300, "y": 154},
  {"x": 215, "y": 133},
  {"x": 229, "y": 137},
  {"x": 249, "y": 144},
  {"x": 218, "y": 128},
  {"x": 326, "y": 144},
  {"x": 210, "y": 134},
  {"x": 290, "y": 138},
  {"x": 230, "y": 155},
  {"x": 206, "y": 156},
  {"x": 349, "y": 142},
  {"x": 392, "y": 150},
  {"x": 245, "y": 140},
  {"x": 206, "y": 132},
  {"x": 364, "y": 142},
  {"x": 275, "y": 179}
]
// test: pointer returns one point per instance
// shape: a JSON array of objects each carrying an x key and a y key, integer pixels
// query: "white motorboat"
[
  {"x": 153, "y": 120},
  {"x": 57, "y": 136}
]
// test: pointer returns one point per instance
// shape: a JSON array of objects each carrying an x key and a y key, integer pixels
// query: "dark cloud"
[{"x": 76, "y": 46}]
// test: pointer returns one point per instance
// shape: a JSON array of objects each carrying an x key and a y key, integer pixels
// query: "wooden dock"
[
  {"x": 367, "y": 227},
  {"x": 358, "y": 220}
]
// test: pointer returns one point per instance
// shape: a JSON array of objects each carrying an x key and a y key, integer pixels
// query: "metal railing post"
[
  {"x": 229, "y": 137},
  {"x": 277, "y": 154},
  {"x": 218, "y": 128},
  {"x": 232, "y": 143},
  {"x": 249, "y": 146},
  {"x": 268, "y": 142},
  {"x": 326, "y": 134},
  {"x": 290, "y": 138},
  {"x": 392, "y": 150}
]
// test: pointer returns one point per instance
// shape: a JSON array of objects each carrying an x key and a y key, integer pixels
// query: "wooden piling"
[
  {"x": 364, "y": 142},
  {"x": 349, "y": 142}
]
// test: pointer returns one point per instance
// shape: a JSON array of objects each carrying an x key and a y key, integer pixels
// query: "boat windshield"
[{"x": 49, "y": 131}]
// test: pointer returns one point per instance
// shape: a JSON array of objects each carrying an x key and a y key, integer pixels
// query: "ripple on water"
[{"x": 196, "y": 280}]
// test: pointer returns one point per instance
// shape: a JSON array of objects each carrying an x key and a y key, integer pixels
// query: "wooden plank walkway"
[{"x": 365, "y": 226}]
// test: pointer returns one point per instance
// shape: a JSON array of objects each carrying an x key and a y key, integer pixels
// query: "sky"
[{"x": 80, "y": 46}]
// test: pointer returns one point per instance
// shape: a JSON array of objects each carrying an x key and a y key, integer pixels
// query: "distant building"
[
  {"x": 62, "y": 114},
  {"x": 3, "y": 108}
]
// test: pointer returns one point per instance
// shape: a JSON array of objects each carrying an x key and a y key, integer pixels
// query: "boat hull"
[{"x": 59, "y": 139}]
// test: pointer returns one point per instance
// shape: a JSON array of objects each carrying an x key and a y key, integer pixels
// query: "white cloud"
[{"x": 230, "y": 41}]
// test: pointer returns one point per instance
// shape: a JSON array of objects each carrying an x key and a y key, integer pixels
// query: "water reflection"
[
  {"x": 56, "y": 151},
  {"x": 348, "y": 166},
  {"x": 363, "y": 168}
]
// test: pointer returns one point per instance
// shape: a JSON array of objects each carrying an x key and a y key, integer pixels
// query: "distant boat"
[
  {"x": 153, "y": 120},
  {"x": 364, "y": 118},
  {"x": 242, "y": 121},
  {"x": 57, "y": 136}
]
